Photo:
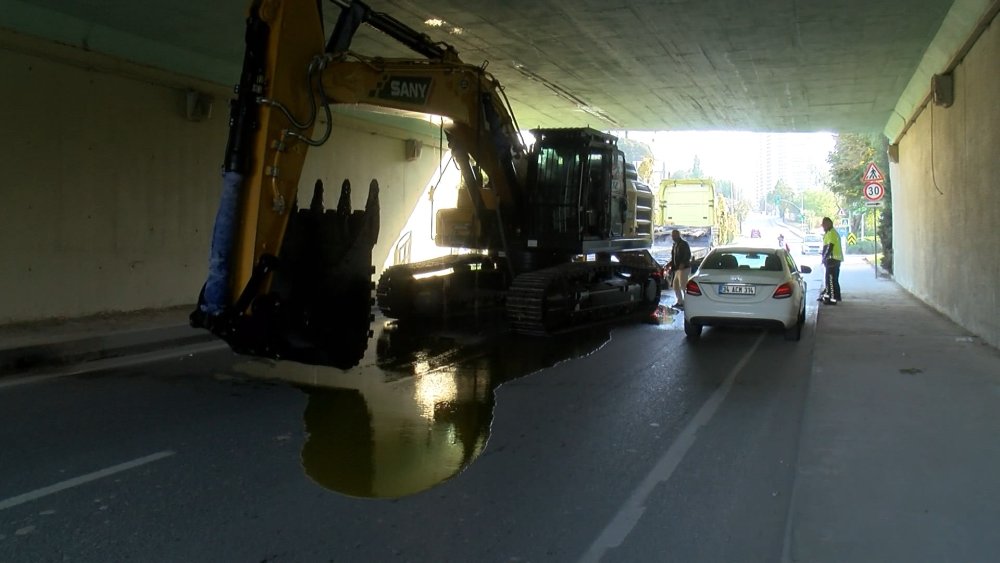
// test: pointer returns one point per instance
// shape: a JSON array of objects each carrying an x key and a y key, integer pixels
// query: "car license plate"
[{"x": 737, "y": 289}]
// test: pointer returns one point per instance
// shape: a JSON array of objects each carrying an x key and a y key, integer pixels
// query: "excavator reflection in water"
[
  {"x": 418, "y": 409},
  {"x": 296, "y": 284}
]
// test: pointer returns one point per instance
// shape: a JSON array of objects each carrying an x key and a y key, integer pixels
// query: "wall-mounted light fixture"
[
  {"x": 198, "y": 106},
  {"x": 894, "y": 153},
  {"x": 943, "y": 89},
  {"x": 413, "y": 149}
]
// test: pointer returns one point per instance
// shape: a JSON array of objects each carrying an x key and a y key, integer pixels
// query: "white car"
[
  {"x": 747, "y": 286},
  {"x": 812, "y": 244}
]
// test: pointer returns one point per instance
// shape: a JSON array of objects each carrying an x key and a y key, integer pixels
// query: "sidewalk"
[
  {"x": 900, "y": 450},
  {"x": 27, "y": 347}
]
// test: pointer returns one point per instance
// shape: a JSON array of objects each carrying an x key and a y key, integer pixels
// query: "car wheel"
[
  {"x": 692, "y": 330},
  {"x": 794, "y": 333},
  {"x": 651, "y": 295}
]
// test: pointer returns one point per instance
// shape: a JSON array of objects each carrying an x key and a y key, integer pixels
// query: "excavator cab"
[{"x": 578, "y": 201}]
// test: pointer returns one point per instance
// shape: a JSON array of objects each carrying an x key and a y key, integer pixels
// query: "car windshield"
[
  {"x": 813, "y": 238},
  {"x": 742, "y": 260}
]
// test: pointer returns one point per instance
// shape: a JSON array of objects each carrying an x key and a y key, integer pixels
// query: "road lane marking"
[
  {"x": 631, "y": 511},
  {"x": 82, "y": 479}
]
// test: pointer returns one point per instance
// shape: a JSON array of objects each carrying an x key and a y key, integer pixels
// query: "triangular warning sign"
[{"x": 872, "y": 174}]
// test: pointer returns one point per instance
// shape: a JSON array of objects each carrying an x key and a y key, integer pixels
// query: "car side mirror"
[{"x": 805, "y": 269}]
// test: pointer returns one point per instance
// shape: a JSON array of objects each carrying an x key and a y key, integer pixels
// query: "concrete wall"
[
  {"x": 946, "y": 198},
  {"x": 108, "y": 191},
  {"x": 367, "y": 151}
]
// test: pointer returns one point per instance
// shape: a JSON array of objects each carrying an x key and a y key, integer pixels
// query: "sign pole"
[
  {"x": 874, "y": 191},
  {"x": 876, "y": 242}
]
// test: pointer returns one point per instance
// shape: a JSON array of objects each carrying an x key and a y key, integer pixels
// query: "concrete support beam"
[
  {"x": 963, "y": 22},
  {"x": 85, "y": 33}
]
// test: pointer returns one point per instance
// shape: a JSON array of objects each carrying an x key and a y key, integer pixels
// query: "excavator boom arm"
[
  {"x": 480, "y": 125},
  {"x": 261, "y": 292}
]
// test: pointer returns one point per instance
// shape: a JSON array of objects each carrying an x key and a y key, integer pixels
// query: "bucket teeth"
[
  {"x": 316, "y": 205},
  {"x": 344, "y": 204},
  {"x": 372, "y": 212}
]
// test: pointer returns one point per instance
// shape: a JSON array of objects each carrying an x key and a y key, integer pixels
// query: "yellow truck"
[{"x": 693, "y": 207}]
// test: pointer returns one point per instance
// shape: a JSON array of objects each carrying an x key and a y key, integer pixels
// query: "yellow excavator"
[{"x": 559, "y": 231}]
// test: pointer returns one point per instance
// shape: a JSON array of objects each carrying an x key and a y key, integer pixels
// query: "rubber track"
[
  {"x": 395, "y": 301},
  {"x": 526, "y": 306},
  {"x": 526, "y": 302}
]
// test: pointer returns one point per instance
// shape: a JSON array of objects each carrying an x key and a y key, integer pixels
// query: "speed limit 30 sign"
[{"x": 874, "y": 191}]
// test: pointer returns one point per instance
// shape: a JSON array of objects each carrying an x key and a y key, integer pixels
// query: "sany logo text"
[{"x": 414, "y": 90}]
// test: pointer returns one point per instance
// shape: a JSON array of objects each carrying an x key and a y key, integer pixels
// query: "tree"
[
  {"x": 645, "y": 169},
  {"x": 741, "y": 210},
  {"x": 780, "y": 196},
  {"x": 695, "y": 172},
  {"x": 848, "y": 161},
  {"x": 817, "y": 204},
  {"x": 885, "y": 224},
  {"x": 635, "y": 151},
  {"x": 725, "y": 188},
  {"x": 727, "y": 221},
  {"x": 696, "y": 168}
]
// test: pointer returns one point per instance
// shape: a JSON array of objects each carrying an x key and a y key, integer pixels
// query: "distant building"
[{"x": 797, "y": 158}]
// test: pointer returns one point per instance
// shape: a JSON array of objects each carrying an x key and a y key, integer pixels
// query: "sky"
[{"x": 732, "y": 155}]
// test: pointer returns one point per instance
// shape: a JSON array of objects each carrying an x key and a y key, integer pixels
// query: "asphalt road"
[{"x": 617, "y": 443}]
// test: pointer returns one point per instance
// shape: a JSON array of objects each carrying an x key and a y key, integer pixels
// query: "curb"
[
  {"x": 882, "y": 272},
  {"x": 22, "y": 359}
]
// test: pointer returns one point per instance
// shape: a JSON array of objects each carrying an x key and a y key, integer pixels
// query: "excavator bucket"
[{"x": 318, "y": 307}]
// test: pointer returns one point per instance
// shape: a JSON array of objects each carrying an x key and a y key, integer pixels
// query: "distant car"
[
  {"x": 754, "y": 233},
  {"x": 812, "y": 244},
  {"x": 747, "y": 286}
]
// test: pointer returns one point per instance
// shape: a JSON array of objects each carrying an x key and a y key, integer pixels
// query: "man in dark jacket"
[{"x": 680, "y": 266}]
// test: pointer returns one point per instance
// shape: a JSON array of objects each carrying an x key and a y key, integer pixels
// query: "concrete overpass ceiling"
[{"x": 768, "y": 65}]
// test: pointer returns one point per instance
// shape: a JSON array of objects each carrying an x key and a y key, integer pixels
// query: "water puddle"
[
  {"x": 667, "y": 317},
  {"x": 418, "y": 407}
]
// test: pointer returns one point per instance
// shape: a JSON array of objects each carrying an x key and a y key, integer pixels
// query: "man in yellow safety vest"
[{"x": 833, "y": 255}]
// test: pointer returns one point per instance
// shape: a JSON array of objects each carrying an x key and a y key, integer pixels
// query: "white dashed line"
[
  {"x": 70, "y": 483},
  {"x": 629, "y": 514}
]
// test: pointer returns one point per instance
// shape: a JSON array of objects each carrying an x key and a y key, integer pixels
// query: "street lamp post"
[{"x": 802, "y": 212}]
